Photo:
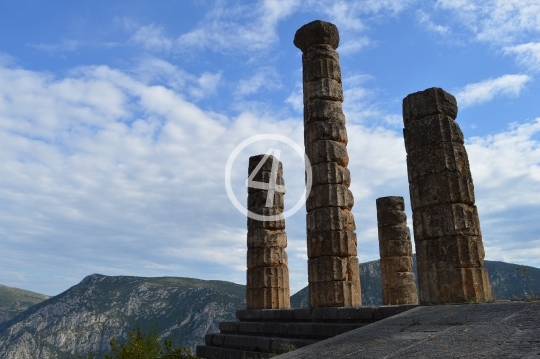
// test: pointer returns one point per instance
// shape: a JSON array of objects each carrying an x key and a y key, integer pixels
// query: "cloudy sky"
[{"x": 117, "y": 120}]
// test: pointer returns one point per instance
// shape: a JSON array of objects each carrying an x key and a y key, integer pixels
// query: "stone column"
[
  {"x": 267, "y": 272},
  {"x": 333, "y": 269},
  {"x": 398, "y": 283},
  {"x": 449, "y": 249}
]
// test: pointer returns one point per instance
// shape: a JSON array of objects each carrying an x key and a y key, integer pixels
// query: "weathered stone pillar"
[
  {"x": 333, "y": 269},
  {"x": 449, "y": 249},
  {"x": 267, "y": 272},
  {"x": 398, "y": 283}
]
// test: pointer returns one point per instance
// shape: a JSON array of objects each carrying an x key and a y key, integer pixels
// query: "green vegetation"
[{"x": 14, "y": 301}]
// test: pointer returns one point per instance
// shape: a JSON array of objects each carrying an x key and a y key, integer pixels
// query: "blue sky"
[{"x": 117, "y": 119}]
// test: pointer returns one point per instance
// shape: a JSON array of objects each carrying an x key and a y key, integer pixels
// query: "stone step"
[
  {"x": 255, "y": 343},
  {"x": 204, "y": 351},
  {"x": 288, "y": 330}
]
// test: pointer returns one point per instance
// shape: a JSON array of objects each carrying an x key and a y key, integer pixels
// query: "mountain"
[
  {"x": 14, "y": 301},
  {"x": 507, "y": 282},
  {"x": 85, "y": 317}
]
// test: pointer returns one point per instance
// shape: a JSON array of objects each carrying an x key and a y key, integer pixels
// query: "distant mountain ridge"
[
  {"x": 14, "y": 301},
  {"x": 85, "y": 317}
]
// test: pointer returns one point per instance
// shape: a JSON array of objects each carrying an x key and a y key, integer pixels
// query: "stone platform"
[{"x": 261, "y": 333}]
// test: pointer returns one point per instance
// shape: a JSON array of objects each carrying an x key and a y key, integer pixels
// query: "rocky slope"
[
  {"x": 85, "y": 317},
  {"x": 14, "y": 301}
]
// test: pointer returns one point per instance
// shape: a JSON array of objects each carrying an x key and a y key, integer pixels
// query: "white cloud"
[
  {"x": 425, "y": 20},
  {"x": 477, "y": 93},
  {"x": 264, "y": 78},
  {"x": 151, "y": 37},
  {"x": 527, "y": 54}
]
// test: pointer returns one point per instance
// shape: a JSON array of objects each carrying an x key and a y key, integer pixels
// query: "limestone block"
[
  {"x": 433, "y": 101},
  {"x": 257, "y": 200},
  {"x": 396, "y": 264},
  {"x": 405, "y": 294},
  {"x": 266, "y": 257},
  {"x": 391, "y": 218},
  {"x": 267, "y": 165},
  {"x": 257, "y": 238},
  {"x": 323, "y": 110},
  {"x": 327, "y": 151},
  {"x": 446, "y": 187},
  {"x": 268, "y": 298},
  {"x": 453, "y": 252},
  {"x": 325, "y": 130},
  {"x": 331, "y": 268},
  {"x": 463, "y": 285},
  {"x": 390, "y": 203},
  {"x": 395, "y": 248},
  {"x": 321, "y": 68},
  {"x": 324, "y": 89},
  {"x": 266, "y": 211},
  {"x": 331, "y": 243},
  {"x": 268, "y": 277},
  {"x": 330, "y": 172},
  {"x": 334, "y": 294},
  {"x": 396, "y": 279},
  {"x": 447, "y": 219},
  {"x": 316, "y": 32},
  {"x": 432, "y": 159},
  {"x": 330, "y": 195},
  {"x": 431, "y": 130},
  {"x": 394, "y": 233},
  {"x": 320, "y": 51},
  {"x": 330, "y": 219}
]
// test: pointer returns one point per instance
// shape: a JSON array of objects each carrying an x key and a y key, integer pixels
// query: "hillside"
[
  {"x": 85, "y": 317},
  {"x": 14, "y": 301}
]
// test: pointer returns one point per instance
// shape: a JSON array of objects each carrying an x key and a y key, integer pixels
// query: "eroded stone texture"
[
  {"x": 267, "y": 272},
  {"x": 333, "y": 268},
  {"x": 447, "y": 235},
  {"x": 398, "y": 282}
]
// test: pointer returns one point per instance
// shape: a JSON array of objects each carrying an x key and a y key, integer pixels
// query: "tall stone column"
[
  {"x": 333, "y": 269},
  {"x": 398, "y": 283},
  {"x": 267, "y": 271},
  {"x": 449, "y": 249}
]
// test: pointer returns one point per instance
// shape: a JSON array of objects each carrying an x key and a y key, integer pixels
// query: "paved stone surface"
[
  {"x": 447, "y": 235},
  {"x": 494, "y": 330}
]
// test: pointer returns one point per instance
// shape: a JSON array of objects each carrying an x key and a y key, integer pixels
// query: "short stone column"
[
  {"x": 333, "y": 268},
  {"x": 448, "y": 241},
  {"x": 267, "y": 271},
  {"x": 398, "y": 283}
]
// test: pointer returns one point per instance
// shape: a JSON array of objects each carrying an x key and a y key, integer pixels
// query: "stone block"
[
  {"x": 327, "y": 151},
  {"x": 446, "y": 187},
  {"x": 396, "y": 264},
  {"x": 395, "y": 233},
  {"x": 228, "y": 327},
  {"x": 257, "y": 200},
  {"x": 330, "y": 173},
  {"x": 404, "y": 294},
  {"x": 334, "y": 294},
  {"x": 330, "y": 219},
  {"x": 453, "y": 252},
  {"x": 431, "y": 130},
  {"x": 268, "y": 277},
  {"x": 330, "y": 195},
  {"x": 391, "y": 218},
  {"x": 326, "y": 269},
  {"x": 395, "y": 248},
  {"x": 208, "y": 339},
  {"x": 266, "y": 257},
  {"x": 324, "y": 89},
  {"x": 302, "y": 314},
  {"x": 433, "y": 101},
  {"x": 266, "y": 177},
  {"x": 320, "y": 68},
  {"x": 315, "y": 33},
  {"x": 463, "y": 285},
  {"x": 397, "y": 279},
  {"x": 267, "y": 165},
  {"x": 266, "y": 224},
  {"x": 331, "y": 243},
  {"x": 267, "y": 298},
  {"x": 325, "y": 130},
  {"x": 434, "y": 159},
  {"x": 320, "y": 51},
  {"x": 257, "y": 238},
  {"x": 447, "y": 219},
  {"x": 390, "y": 203},
  {"x": 322, "y": 110}
]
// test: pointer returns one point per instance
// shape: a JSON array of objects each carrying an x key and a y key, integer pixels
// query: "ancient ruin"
[
  {"x": 398, "y": 281},
  {"x": 448, "y": 241},
  {"x": 267, "y": 272},
  {"x": 333, "y": 268}
]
